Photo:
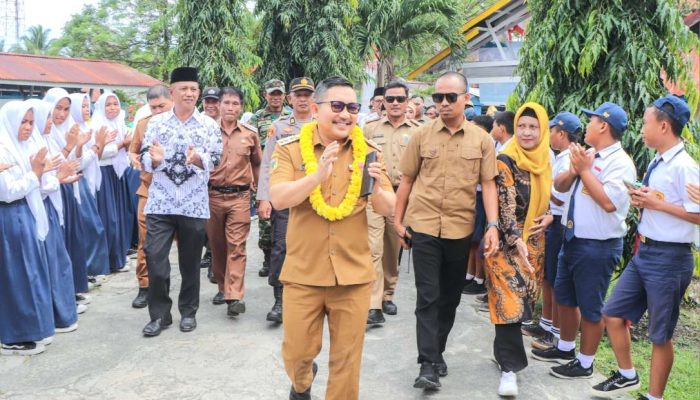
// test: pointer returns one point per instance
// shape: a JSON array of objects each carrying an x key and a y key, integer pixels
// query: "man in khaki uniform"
[
  {"x": 328, "y": 269},
  {"x": 159, "y": 100},
  {"x": 229, "y": 201},
  {"x": 444, "y": 161},
  {"x": 392, "y": 134}
]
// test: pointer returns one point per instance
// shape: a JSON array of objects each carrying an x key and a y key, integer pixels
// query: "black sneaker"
[
  {"x": 22, "y": 349},
  {"x": 474, "y": 288},
  {"x": 235, "y": 307},
  {"x": 615, "y": 385},
  {"x": 484, "y": 298},
  {"x": 427, "y": 377},
  {"x": 572, "y": 370},
  {"x": 553, "y": 354},
  {"x": 533, "y": 329},
  {"x": 545, "y": 342}
]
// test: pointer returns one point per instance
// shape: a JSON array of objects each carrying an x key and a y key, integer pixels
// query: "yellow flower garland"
[{"x": 359, "y": 151}]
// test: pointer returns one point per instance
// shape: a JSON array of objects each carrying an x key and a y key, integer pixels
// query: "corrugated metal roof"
[{"x": 24, "y": 69}]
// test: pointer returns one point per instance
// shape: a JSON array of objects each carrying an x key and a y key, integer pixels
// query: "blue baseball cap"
[
  {"x": 566, "y": 121},
  {"x": 610, "y": 113},
  {"x": 469, "y": 113},
  {"x": 681, "y": 111}
]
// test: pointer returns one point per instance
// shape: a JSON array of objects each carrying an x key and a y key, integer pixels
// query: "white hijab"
[
  {"x": 99, "y": 119},
  {"x": 58, "y": 132},
  {"x": 42, "y": 113},
  {"x": 91, "y": 172},
  {"x": 11, "y": 116}
]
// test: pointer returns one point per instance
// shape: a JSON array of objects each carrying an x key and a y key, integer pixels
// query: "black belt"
[
  {"x": 14, "y": 203},
  {"x": 230, "y": 189},
  {"x": 657, "y": 243}
]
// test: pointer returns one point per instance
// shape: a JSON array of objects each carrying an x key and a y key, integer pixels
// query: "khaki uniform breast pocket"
[
  {"x": 470, "y": 160},
  {"x": 430, "y": 164}
]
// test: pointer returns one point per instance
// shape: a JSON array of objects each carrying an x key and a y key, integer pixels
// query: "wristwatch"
[{"x": 490, "y": 224}]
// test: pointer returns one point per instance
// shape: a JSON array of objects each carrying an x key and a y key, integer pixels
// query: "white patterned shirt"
[{"x": 179, "y": 188}]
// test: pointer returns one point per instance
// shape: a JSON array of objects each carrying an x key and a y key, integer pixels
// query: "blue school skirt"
[
  {"x": 133, "y": 181},
  {"x": 75, "y": 237},
  {"x": 96, "y": 251},
  {"x": 26, "y": 314},
  {"x": 60, "y": 271},
  {"x": 113, "y": 206}
]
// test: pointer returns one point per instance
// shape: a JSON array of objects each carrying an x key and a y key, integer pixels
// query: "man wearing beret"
[
  {"x": 262, "y": 120},
  {"x": 180, "y": 148}
]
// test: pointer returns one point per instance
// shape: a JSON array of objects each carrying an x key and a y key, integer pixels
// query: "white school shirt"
[
  {"x": 561, "y": 163},
  {"x": 590, "y": 220},
  {"x": 669, "y": 178}
]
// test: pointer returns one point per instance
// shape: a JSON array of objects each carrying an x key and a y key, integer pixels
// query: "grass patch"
[{"x": 684, "y": 382}]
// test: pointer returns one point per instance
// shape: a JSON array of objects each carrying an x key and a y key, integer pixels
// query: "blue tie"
[
  {"x": 653, "y": 165},
  {"x": 569, "y": 228}
]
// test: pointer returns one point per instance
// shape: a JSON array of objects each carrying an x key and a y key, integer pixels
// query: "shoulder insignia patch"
[
  {"x": 288, "y": 140},
  {"x": 414, "y": 122},
  {"x": 374, "y": 145},
  {"x": 248, "y": 126}
]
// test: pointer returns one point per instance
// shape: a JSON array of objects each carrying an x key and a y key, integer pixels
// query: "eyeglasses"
[
  {"x": 339, "y": 106},
  {"x": 451, "y": 97},
  {"x": 398, "y": 99}
]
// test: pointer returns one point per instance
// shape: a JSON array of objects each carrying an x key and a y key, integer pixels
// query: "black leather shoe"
[
  {"x": 307, "y": 393},
  {"x": 235, "y": 307},
  {"x": 275, "y": 314},
  {"x": 218, "y": 299},
  {"x": 441, "y": 369},
  {"x": 154, "y": 328},
  {"x": 389, "y": 307},
  {"x": 375, "y": 317},
  {"x": 188, "y": 324},
  {"x": 427, "y": 377},
  {"x": 206, "y": 261},
  {"x": 141, "y": 299}
]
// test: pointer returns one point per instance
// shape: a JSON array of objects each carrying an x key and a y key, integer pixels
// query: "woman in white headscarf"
[
  {"x": 58, "y": 261},
  {"x": 97, "y": 254},
  {"x": 26, "y": 315},
  {"x": 64, "y": 139},
  {"x": 113, "y": 194}
]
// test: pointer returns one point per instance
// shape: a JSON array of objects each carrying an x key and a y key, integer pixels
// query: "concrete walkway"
[{"x": 224, "y": 358}]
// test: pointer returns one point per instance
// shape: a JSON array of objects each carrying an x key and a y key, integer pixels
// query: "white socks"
[
  {"x": 469, "y": 277},
  {"x": 480, "y": 281},
  {"x": 628, "y": 373},
  {"x": 563, "y": 345},
  {"x": 586, "y": 361},
  {"x": 555, "y": 331},
  {"x": 546, "y": 324},
  {"x": 650, "y": 397}
]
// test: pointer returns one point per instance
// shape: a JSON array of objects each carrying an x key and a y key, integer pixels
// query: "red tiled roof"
[{"x": 62, "y": 71}]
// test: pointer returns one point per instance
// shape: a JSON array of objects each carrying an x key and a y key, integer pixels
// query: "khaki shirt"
[
  {"x": 240, "y": 152},
  {"x": 135, "y": 148},
  {"x": 321, "y": 252},
  {"x": 446, "y": 169},
  {"x": 393, "y": 142}
]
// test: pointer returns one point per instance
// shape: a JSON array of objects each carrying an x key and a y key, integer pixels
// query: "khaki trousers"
[
  {"x": 227, "y": 231},
  {"x": 305, "y": 308},
  {"x": 385, "y": 246},
  {"x": 141, "y": 267}
]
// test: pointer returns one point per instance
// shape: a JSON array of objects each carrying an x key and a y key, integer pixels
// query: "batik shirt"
[{"x": 179, "y": 188}]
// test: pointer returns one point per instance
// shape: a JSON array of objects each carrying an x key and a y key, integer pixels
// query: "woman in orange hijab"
[{"x": 514, "y": 273}]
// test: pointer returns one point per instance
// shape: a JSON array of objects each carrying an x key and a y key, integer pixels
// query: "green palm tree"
[
  {"x": 36, "y": 41},
  {"x": 389, "y": 26}
]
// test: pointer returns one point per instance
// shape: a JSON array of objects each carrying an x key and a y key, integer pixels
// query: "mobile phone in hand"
[{"x": 367, "y": 179}]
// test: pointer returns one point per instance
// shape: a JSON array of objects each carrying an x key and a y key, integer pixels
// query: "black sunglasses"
[
  {"x": 398, "y": 99},
  {"x": 339, "y": 106},
  {"x": 451, "y": 97}
]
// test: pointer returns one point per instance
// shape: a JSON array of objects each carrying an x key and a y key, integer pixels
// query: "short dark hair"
[
  {"x": 484, "y": 121},
  {"x": 453, "y": 74},
  {"x": 663, "y": 114},
  {"x": 396, "y": 84},
  {"x": 417, "y": 96},
  {"x": 330, "y": 82},
  {"x": 505, "y": 119},
  {"x": 573, "y": 137},
  {"x": 232, "y": 91},
  {"x": 157, "y": 91}
]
